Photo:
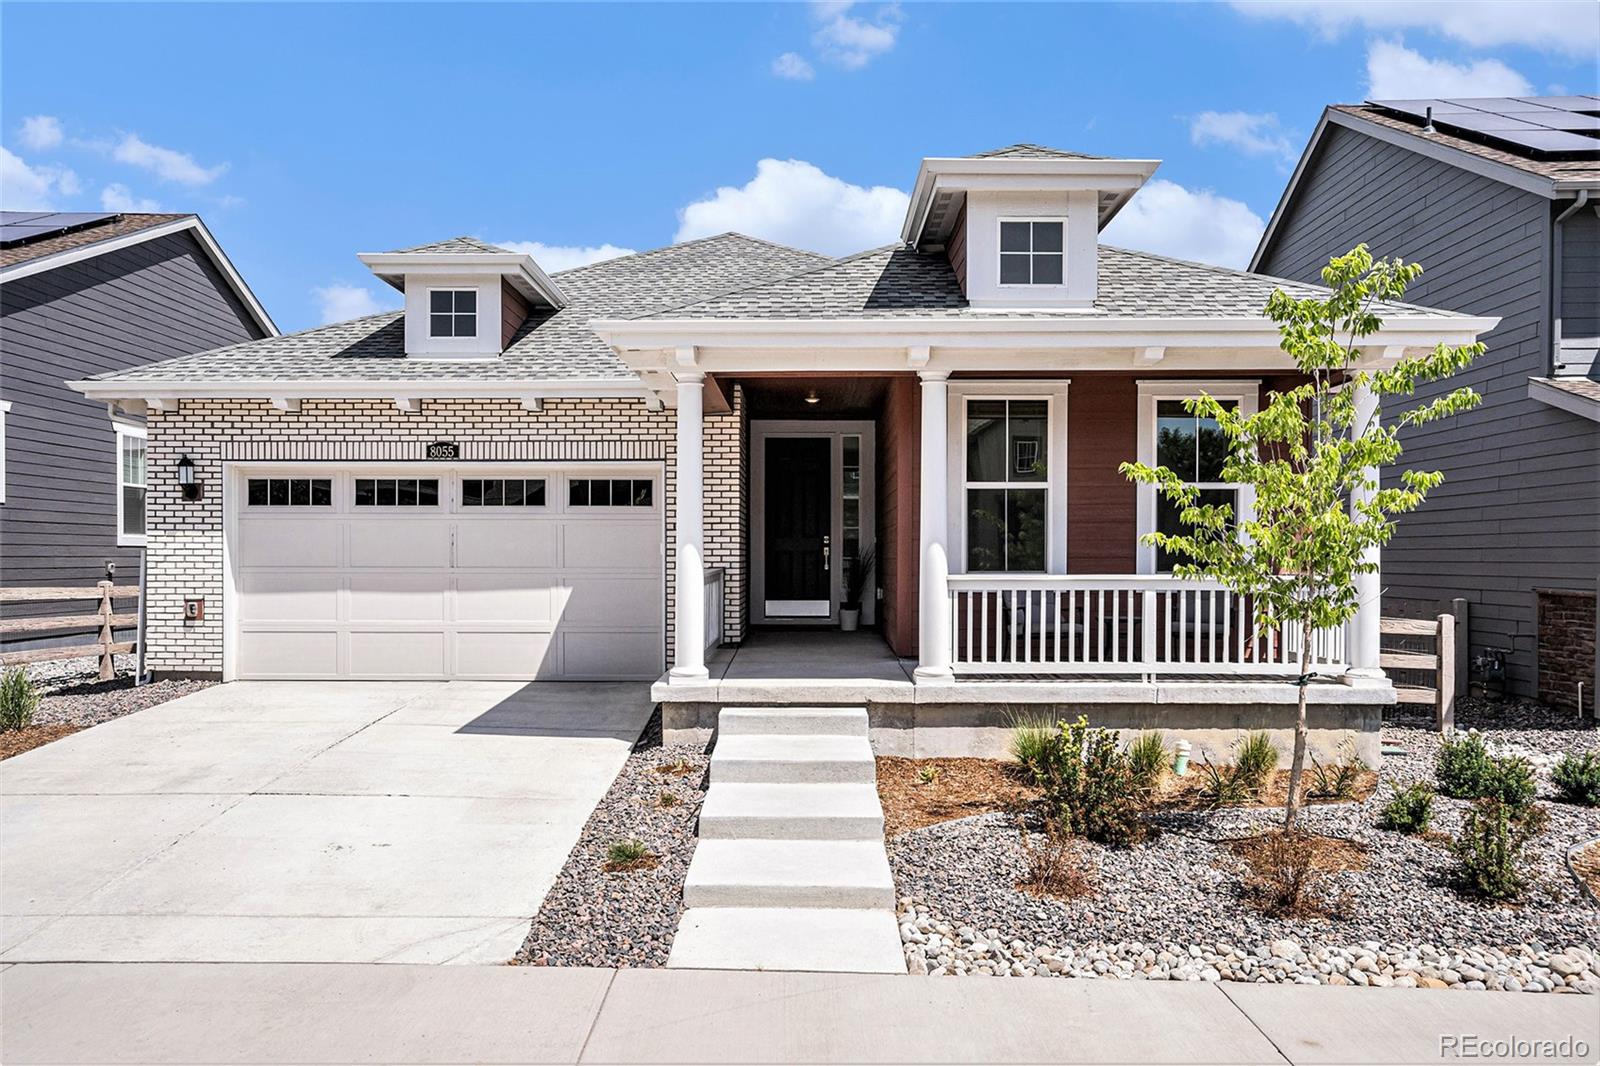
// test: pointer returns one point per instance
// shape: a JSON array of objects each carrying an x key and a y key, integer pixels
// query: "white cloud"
[
  {"x": 1168, "y": 219},
  {"x": 851, "y": 42},
  {"x": 340, "y": 303},
  {"x": 117, "y": 197},
  {"x": 554, "y": 257},
  {"x": 1251, "y": 134},
  {"x": 40, "y": 133},
  {"x": 793, "y": 202},
  {"x": 1548, "y": 25},
  {"x": 1395, "y": 72},
  {"x": 793, "y": 66},
  {"x": 167, "y": 163},
  {"x": 32, "y": 188}
]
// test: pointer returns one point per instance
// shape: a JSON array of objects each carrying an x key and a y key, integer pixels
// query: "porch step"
[
  {"x": 789, "y": 873},
  {"x": 792, "y": 760},
  {"x": 793, "y": 812},
  {"x": 759, "y": 938},
  {"x": 789, "y": 721}
]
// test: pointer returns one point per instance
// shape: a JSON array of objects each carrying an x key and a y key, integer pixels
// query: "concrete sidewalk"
[{"x": 234, "y": 1013}]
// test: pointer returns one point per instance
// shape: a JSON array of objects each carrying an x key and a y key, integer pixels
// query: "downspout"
[{"x": 1558, "y": 244}]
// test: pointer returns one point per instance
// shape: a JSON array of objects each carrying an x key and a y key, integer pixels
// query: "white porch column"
[
  {"x": 933, "y": 614},
  {"x": 688, "y": 549},
  {"x": 1363, "y": 632}
]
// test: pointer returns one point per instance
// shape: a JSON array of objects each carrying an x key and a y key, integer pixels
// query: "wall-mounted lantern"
[{"x": 191, "y": 488}]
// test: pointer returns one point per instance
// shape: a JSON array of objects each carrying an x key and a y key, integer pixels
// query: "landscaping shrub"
[
  {"x": 1254, "y": 759},
  {"x": 1338, "y": 780},
  {"x": 1577, "y": 778},
  {"x": 625, "y": 855},
  {"x": 1032, "y": 740},
  {"x": 18, "y": 700},
  {"x": 1057, "y": 865},
  {"x": 1287, "y": 873},
  {"x": 1510, "y": 781},
  {"x": 929, "y": 774},
  {"x": 1409, "y": 810},
  {"x": 1489, "y": 849},
  {"x": 1223, "y": 786},
  {"x": 1147, "y": 761},
  {"x": 1088, "y": 784},
  {"x": 1464, "y": 766}
]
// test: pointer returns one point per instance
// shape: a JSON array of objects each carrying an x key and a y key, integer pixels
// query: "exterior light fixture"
[
  {"x": 191, "y": 488},
  {"x": 811, "y": 397}
]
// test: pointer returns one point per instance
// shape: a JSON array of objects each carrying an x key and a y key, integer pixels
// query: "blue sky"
[{"x": 306, "y": 133}]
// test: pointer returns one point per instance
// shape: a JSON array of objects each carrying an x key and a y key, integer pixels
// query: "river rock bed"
[
  {"x": 592, "y": 917},
  {"x": 1172, "y": 907}
]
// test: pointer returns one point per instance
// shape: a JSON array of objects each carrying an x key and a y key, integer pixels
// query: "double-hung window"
[
  {"x": 1032, "y": 251},
  {"x": 131, "y": 481},
  {"x": 452, "y": 312},
  {"x": 1192, "y": 447},
  {"x": 1007, "y": 484}
]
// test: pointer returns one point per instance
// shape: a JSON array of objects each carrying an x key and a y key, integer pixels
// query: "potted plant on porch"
[{"x": 858, "y": 567}]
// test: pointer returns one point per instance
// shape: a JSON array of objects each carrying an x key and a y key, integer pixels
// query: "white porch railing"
[
  {"x": 714, "y": 631},
  {"x": 1118, "y": 624}
]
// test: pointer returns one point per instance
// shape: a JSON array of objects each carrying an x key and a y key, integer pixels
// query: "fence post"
[
  {"x": 108, "y": 668},
  {"x": 1445, "y": 677},
  {"x": 1463, "y": 664}
]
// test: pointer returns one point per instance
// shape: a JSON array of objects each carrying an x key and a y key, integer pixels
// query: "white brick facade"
[{"x": 184, "y": 538}]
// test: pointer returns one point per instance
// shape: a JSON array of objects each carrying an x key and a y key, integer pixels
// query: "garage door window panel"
[
  {"x": 289, "y": 492},
  {"x": 610, "y": 492},
  {"x": 502, "y": 492},
  {"x": 396, "y": 492}
]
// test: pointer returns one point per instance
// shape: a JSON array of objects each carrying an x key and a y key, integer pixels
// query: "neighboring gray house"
[
  {"x": 1498, "y": 200},
  {"x": 87, "y": 294}
]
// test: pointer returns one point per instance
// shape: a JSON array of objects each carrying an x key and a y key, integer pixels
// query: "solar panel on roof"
[
  {"x": 1550, "y": 141},
  {"x": 1544, "y": 125},
  {"x": 1572, "y": 103},
  {"x": 20, "y": 227}
]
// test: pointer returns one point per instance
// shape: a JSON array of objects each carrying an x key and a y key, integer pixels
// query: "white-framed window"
[
  {"x": 1006, "y": 483},
  {"x": 502, "y": 492},
  {"x": 1193, "y": 448},
  {"x": 5, "y": 406},
  {"x": 452, "y": 312},
  {"x": 396, "y": 492},
  {"x": 1033, "y": 251},
  {"x": 289, "y": 492},
  {"x": 131, "y": 484},
  {"x": 610, "y": 492}
]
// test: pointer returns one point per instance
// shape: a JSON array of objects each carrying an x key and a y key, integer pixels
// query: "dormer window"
[
  {"x": 452, "y": 312},
  {"x": 1032, "y": 251}
]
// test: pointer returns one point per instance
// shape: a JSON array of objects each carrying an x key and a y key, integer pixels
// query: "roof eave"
[
  {"x": 113, "y": 390},
  {"x": 512, "y": 265}
]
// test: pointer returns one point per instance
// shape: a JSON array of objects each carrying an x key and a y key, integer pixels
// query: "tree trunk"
[{"x": 1297, "y": 765}]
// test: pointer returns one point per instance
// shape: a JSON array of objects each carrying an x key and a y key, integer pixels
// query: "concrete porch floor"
[{"x": 810, "y": 654}]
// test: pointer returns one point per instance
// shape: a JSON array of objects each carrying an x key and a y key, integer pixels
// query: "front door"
[{"x": 799, "y": 527}]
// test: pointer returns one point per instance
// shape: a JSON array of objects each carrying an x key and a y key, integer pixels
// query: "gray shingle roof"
[
  {"x": 453, "y": 246},
  {"x": 899, "y": 282},
  {"x": 1557, "y": 169},
  {"x": 1031, "y": 151},
  {"x": 556, "y": 344}
]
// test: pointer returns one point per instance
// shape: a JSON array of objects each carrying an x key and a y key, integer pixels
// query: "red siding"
[
  {"x": 1102, "y": 431},
  {"x": 899, "y": 470},
  {"x": 513, "y": 312},
  {"x": 958, "y": 250}
]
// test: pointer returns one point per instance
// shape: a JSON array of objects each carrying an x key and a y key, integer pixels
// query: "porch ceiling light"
[{"x": 811, "y": 397}]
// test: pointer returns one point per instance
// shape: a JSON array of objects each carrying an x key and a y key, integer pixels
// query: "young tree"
[{"x": 1311, "y": 458}]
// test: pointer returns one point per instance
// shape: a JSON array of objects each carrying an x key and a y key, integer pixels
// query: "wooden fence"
[
  {"x": 101, "y": 623},
  {"x": 1440, "y": 662}
]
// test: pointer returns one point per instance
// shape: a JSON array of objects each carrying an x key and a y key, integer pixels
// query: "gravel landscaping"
[
  {"x": 1171, "y": 908},
  {"x": 72, "y": 697},
  {"x": 592, "y": 917}
]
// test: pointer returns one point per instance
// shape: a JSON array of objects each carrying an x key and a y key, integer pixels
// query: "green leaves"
[{"x": 1309, "y": 457}]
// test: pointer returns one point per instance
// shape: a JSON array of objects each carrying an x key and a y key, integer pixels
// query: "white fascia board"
[
  {"x": 520, "y": 266},
  {"x": 192, "y": 222},
  {"x": 1057, "y": 331},
  {"x": 1561, "y": 399},
  {"x": 1008, "y": 175},
  {"x": 446, "y": 389}
]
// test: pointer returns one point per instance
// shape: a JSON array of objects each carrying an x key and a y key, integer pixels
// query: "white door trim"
[{"x": 834, "y": 430}]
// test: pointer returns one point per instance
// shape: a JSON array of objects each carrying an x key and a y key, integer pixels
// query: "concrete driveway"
[{"x": 307, "y": 822}]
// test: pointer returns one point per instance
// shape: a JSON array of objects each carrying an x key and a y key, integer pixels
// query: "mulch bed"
[
  {"x": 17, "y": 741},
  {"x": 963, "y": 787}
]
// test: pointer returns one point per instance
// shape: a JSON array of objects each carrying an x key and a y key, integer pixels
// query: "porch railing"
[
  {"x": 714, "y": 631},
  {"x": 1011, "y": 624}
]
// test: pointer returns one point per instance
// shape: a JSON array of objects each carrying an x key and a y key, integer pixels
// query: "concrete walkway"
[
  {"x": 424, "y": 1014},
  {"x": 307, "y": 822}
]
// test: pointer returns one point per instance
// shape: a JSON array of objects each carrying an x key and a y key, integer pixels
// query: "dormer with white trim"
[
  {"x": 464, "y": 299},
  {"x": 1021, "y": 224}
]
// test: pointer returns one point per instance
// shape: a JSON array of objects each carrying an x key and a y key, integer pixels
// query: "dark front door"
[{"x": 799, "y": 519}]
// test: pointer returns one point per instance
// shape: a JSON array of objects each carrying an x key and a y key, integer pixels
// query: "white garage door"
[{"x": 431, "y": 573}]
